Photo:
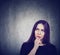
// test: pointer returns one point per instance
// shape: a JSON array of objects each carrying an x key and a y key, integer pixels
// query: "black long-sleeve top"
[{"x": 47, "y": 49}]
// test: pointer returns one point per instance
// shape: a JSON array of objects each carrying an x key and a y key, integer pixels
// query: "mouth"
[{"x": 38, "y": 36}]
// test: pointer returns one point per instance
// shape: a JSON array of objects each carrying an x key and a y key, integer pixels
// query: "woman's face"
[{"x": 39, "y": 32}]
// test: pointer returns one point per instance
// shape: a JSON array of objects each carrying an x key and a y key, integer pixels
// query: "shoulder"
[
  {"x": 24, "y": 44},
  {"x": 51, "y": 46},
  {"x": 27, "y": 46}
]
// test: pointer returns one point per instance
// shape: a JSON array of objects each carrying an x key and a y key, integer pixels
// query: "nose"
[{"x": 39, "y": 32}]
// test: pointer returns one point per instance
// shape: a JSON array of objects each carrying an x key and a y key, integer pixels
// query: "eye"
[
  {"x": 37, "y": 29},
  {"x": 42, "y": 30}
]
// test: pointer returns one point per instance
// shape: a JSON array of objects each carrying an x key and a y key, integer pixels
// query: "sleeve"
[{"x": 23, "y": 50}]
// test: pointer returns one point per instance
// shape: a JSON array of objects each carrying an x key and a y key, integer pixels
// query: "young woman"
[{"x": 39, "y": 41}]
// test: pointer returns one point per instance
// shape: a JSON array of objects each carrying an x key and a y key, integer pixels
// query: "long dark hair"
[{"x": 46, "y": 38}]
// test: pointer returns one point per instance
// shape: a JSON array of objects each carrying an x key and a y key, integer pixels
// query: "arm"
[
  {"x": 37, "y": 43},
  {"x": 23, "y": 50},
  {"x": 33, "y": 51}
]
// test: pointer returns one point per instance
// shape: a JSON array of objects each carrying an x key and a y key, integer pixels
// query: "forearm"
[{"x": 33, "y": 51}]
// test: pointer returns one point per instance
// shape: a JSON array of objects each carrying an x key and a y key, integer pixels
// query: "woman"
[{"x": 39, "y": 41}]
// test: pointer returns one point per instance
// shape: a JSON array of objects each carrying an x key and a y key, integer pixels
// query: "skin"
[
  {"x": 39, "y": 35},
  {"x": 39, "y": 32}
]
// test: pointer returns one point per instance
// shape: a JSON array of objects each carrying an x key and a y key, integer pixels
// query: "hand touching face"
[{"x": 39, "y": 32}]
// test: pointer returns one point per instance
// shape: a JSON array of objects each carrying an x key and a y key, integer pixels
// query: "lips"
[{"x": 38, "y": 36}]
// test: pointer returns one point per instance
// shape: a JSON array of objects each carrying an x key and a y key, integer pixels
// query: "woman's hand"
[
  {"x": 38, "y": 43},
  {"x": 34, "y": 49}
]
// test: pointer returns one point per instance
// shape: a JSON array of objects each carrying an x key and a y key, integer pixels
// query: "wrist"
[{"x": 35, "y": 47}]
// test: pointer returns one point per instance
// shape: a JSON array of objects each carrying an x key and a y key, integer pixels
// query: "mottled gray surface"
[{"x": 17, "y": 19}]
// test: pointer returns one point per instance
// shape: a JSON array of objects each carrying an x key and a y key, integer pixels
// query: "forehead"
[{"x": 40, "y": 26}]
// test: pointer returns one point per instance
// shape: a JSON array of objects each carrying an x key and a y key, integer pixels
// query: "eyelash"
[
  {"x": 37, "y": 29},
  {"x": 42, "y": 30}
]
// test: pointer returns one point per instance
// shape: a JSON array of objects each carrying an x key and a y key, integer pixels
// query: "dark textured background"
[{"x": 18, "y": 16}]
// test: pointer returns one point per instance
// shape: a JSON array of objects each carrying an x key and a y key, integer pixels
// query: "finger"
[{"x": 37, "y": 38}]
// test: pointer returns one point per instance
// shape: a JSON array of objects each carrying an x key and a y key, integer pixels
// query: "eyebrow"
[{"x": 37, "y": 28}]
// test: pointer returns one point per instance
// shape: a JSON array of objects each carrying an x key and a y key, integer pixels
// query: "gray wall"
[{"x": 17, "y": 19}]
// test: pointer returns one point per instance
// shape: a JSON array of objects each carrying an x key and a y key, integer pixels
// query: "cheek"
[
  {"x": 43, "y": 33},
  {"x": 35, "y": 33}
]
